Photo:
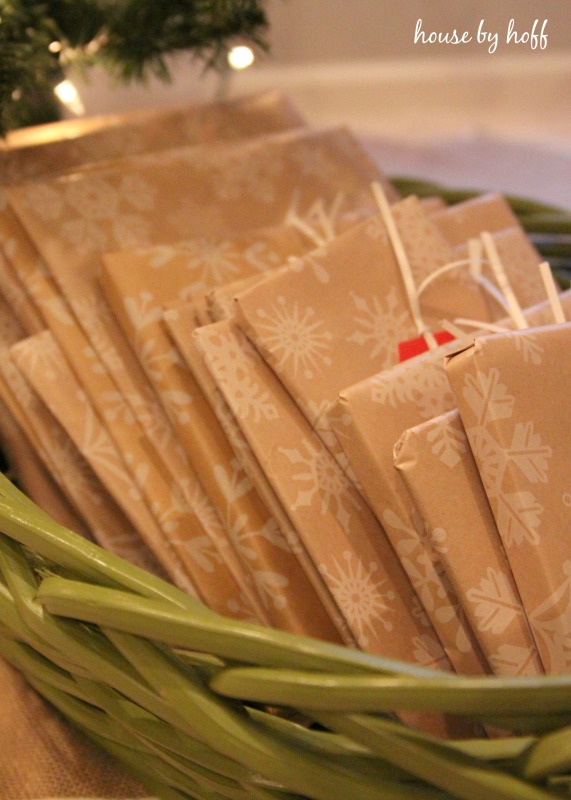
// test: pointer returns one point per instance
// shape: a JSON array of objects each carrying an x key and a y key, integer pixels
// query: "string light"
[
  {"x": 241, "y": 57},
  {"x": 67, "y": 94}
]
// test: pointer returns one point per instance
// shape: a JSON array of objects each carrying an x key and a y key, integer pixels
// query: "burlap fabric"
[{"x": 42, "y": 756}]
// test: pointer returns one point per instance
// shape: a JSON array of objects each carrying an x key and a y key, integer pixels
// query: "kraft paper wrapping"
[
  {"x": 463, "y": 221},
  {"x": 492, "y": 212},
  {"x": 436, "y": 464},
  {"x": 264, "y": 538},
  {"x": 371, "y": 415},
  {"x": 34, "y": 478},
  {"x": 336, "y": 528},
  {"x": 345, "y": 308},
  {"x": 71, "y": 145},
  {"x": 189, "y": 556},
  {"x": 43, "y": 364},
  {"x": 137, "y": 284},
  {"x": 515, "y": 408},
  {"x": 19, "y": 446},
  {"x": 209, "y": 189},
  {"x": 113, "y": 411},
  {"x": 72, "y": 473},
  {"x": 63, "y": 146},
  {"x": 338, "y": 316}
]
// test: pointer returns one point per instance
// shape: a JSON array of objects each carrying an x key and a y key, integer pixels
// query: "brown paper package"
[
  {"x": 222, "y": 174},
  {"x": 439, "y": 471},
  {"x": 371, "y": 415},
  {"x": 337, "y": 316},
  {"x": 61, "y": 147},
  {"x": 516, "y": 411}
]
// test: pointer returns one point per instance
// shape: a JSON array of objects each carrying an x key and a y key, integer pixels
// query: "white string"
[
  {"x": 475, "y": 256},
  {"x": 404, "y": 265},
  {"x": 552, "y": 293},
  {"x": 463, "y": 262},
  {"x": 514, "y": 308},
  {"x": 492, "y": 290},
  {"x": 477, "y": 323},
  {"x": 454, "y": 330}
]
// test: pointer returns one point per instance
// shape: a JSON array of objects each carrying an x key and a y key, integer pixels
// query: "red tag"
[{"x": 414, "y": 347}]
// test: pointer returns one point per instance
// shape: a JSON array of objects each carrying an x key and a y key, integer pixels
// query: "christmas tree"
[{"x": 41, "y": 41}]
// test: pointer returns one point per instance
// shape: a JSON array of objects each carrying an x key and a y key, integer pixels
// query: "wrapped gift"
[
  {"x": 213, "y": 187},
  {"x": 337, "y": 529},
  {"x": 64, "y": 146},
  {"x": 299, "y": 601},
  {"x": 338, "y": 315},
  {"x": 436, "y": 464},
  {"x": 371, "y": 415},
  {"x": 44, "y": 366},
  {"x": 515, "y": 408}
]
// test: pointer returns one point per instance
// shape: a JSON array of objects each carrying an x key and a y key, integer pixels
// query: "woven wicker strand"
[{"x": 187, "y": 700}]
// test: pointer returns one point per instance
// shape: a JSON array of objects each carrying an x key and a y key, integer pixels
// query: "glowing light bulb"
[
  {"x": 240, "y": 57},
  {"x": 68, "y": 95},
  {"x": 54, "y": 47}
]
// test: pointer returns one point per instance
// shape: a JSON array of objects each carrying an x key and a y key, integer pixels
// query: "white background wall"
[
  {"x": 457, "y": 113},
  {"x": 335, "y": 36},
  {"x": 305, "y": 31}
]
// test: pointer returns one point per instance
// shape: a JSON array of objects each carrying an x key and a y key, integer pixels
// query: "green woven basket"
[
  {"x": 189, "y": 700},
  {"x": 199, "y": 706}
]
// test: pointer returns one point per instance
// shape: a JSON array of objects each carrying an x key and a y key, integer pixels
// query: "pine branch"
[{"x": 132, "y": 39}]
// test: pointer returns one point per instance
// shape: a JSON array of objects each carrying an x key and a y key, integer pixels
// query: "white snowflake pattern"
[
  {"x": 231, "y": 361},
  {"x": 46, "y": 201},
  {"x": 312, "y": 160},
  {"x": 76, "y": 472},
  {"x": 296, "y": 337},
  {"x": 96, "y": 319},
  {"x": 487, "y": 396},
  {"x": 518, "y": 516},
  {"x": 528, "y": 453},
  {"x": 176, "y": 402},
  {"x": 433, "y": 395},
  {"x": 392, "y": 388},
  {"x": 448, "y": 441},
  {"x": 116, "y": 408},
  {"x": 137, "y": 192},
  {"x": 202, "y": 552},
  {"x": 324, "y": 482},
  {"x": 42, "y": 355},
  {"x": 530, "y": 349},
  {"x": 422, "y": 564},
  {"x": 100, "y": 215},
  {"x": 427, "y": 387},
  {"x": 245, "y": 174},
  {"x": 429, "y": 652},
  {"x": 206, "y": 513},
  {"x": 518, "y": 513},
  {"x": 381, "y": 327},
  {"x": 551, "y": 624},
  {"x": 364, "y": 602},
  {"x": 314, "y": 262},
  {"x": 143, "y": 310},
  {"x": 233, "y": 482},
  {"x": 496, "y": 604},
  {"x": 514, "y": 660},
  {"x": 98, "y": 448}
]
